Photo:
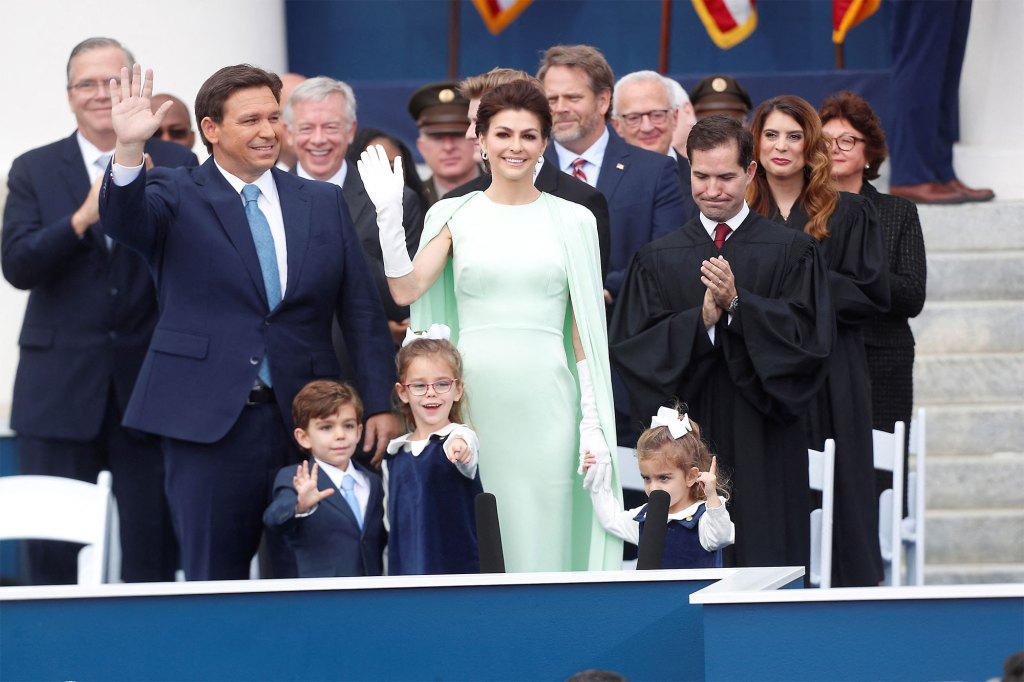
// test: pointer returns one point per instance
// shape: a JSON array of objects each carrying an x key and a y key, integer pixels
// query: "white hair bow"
[
  {"x": 438, "y": 332},
  {"x": 678, "y": 424}
]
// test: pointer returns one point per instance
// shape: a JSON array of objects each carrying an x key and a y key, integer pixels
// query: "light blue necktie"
[
  {"x": 264, "y": 241},
  {"x": 348, "y": 487}
]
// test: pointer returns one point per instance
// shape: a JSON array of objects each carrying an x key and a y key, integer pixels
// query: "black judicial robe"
[
  {"x": 747, "y": 389},
  {"x": 854, "y": 253}
]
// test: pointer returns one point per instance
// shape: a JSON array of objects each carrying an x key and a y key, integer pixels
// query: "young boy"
[{"x": 332, "y": 513}]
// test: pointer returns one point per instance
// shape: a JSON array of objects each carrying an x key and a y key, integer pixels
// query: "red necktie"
[
  {"x": 577, "y": 169},
  {"x": 721, "y": 230}
]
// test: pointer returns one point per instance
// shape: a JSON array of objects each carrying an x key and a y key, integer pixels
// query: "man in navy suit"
[
  {"x": 251, "y": 263},
  {"x": 645, "y": 112},
  {"x": 642, "y": 187},
  {"x": 90, "y": 315}
]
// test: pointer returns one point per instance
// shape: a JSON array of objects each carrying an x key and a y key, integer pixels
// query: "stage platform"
[{"x": 719, "y": 624}]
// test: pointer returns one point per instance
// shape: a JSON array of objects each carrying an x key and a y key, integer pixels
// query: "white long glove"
[
  {"x": 385, "y": 187},
  {"x": 599, "y": 476}
]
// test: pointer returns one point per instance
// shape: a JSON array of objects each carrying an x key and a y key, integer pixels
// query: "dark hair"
[
  {"x": 518, "y": 95},
  {"x": 718, "y": 131},
  {"x": 820, "y": 195},
  {"x": 861, "y": 116},
  {"x": 473, "y": 87},
  {"x": 224, "y": 83},
  {"x": 589, "y": 59},
  {"x": 362, "y": 140},
  {"x": 95, "y": 44},
  {"x": 445, "y": 351},
  {"x": 689, "y": 450},
  {"x": 323, "y": 398}
]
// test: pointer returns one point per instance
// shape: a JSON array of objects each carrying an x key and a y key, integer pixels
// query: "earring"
[
  {"x": 867, "y": 165},
  {"x": 483, "y": 154}
]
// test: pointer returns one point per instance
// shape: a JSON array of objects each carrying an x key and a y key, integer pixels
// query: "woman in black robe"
[
  {"x": 793, "y": 186},
  {"x": 858, "y": 149}
]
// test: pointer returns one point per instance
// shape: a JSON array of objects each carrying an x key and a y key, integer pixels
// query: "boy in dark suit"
[{"x": 331, "y": 534}]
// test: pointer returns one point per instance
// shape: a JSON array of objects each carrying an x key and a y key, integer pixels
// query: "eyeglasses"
[
  {"x": 657, "y": 116},
  {"x": 173, "y": 133},
  {"x": 442, "y": 386},
  {"x": 846, "y": 143},
  {"x": 91, "y": 87}
]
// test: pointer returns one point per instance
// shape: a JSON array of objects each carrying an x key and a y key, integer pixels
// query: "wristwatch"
[{"x": 734, "y": 305}]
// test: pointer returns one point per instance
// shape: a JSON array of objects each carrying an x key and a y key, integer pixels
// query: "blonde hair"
[{"x": 684, "y": 453}]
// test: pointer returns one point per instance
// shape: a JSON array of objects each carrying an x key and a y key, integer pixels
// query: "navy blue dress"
[
  {"x": 431, "y": 512},
  {"x": 682, "y": 543}
]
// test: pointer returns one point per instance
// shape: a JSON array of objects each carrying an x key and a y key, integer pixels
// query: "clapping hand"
[{"x": 133, "y": 119}]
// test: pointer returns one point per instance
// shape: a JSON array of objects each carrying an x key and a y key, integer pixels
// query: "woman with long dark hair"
[{"x": 793, "y": 185}]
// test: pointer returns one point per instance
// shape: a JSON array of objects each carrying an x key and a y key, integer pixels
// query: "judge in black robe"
[
  {"x": 746, "y": 387},
  {"x": 854, "y": 253}
]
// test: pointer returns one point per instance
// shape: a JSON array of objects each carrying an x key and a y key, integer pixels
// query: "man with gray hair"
[
  {"x": 644, "y": 112},
  {"x": 320, "y": 123},
  {"x": 685, "y": 116},
  {"x": 91, "y": 312}
]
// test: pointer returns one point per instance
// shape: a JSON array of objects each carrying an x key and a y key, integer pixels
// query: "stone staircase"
[{"x": 969, "y": 374}]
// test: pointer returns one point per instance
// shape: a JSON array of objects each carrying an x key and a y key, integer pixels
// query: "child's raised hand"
[
  {"x": 709, "y": 481},
  {"x": 459, "y": 452},
  {"x": 307, "y": 496}
]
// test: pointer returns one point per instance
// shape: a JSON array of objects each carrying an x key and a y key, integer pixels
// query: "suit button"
[
  {"x": 113, "y": 335},
  {"x": 254, "y": 360},
  {"x": 266, "y": 323},
  {"x": 113, "y": 291}
]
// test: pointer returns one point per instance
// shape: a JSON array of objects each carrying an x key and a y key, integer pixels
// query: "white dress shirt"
[{"x": 593, "y": 155}]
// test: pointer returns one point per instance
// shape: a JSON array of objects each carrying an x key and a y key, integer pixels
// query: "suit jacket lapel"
[
  {"x": 296, "y": 212},
  {"x": 357, "y": 199},
  {"x": 227, "y": 205},
  {"x": 614, "y": 165},
  {"x": 547, "y": 178}
]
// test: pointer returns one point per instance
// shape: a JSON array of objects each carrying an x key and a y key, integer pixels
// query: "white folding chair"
[
  {"x": 821, "y": 467},
  {"x": 888, "y": 456},
  {"x": 913, "y": 526},
  {"x": 54, "y": 508}
]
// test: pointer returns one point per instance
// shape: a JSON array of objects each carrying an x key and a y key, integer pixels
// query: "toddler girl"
[
  {"x": 430, "y": 475},
  {"x": 672, "y": 457}
]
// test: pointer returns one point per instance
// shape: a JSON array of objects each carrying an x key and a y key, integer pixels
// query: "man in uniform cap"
[
  {"x": 720, "y": 95},
  {"x": 441, "y": 113}
]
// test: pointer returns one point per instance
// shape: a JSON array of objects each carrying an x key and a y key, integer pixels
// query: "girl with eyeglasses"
[
  {"x": 793, "y": 185},
  {"x": 430, "y": 474}
]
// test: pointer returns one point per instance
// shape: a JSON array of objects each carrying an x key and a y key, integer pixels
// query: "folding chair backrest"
[
  {"x": 54, "y": 508},
  {"x": 888, "y": 456},
  {"x": 914, "y": 524},
  {"x": 821, "y": 469}
]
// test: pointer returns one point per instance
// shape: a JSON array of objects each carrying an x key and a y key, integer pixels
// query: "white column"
[{"x": 991, "y": 100}]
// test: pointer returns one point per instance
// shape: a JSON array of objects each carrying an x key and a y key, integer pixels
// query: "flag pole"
[
  {"x": 453, "y": 40},
  {"x": 840, "y": 57},
  {"x": 666, "y": 26}
]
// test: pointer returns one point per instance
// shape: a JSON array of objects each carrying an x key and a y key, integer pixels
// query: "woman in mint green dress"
[{"x": 516, "y": 275}]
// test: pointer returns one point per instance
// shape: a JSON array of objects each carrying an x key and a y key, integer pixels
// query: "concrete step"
[
  {"x": 975, "y": 536},
  {"x": 969, "y": 326},
  {"x": 969, "y": 378},
  {"x": 973, "y": 275},
  {"x": 971, "y": 574},
  {"x": 991, "y": 226},
  {"x": 970, "y": 431},
  {"x": 983, "y": 482}
]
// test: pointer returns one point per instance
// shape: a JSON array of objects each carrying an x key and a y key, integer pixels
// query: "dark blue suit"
[
  {"x": 214, "y": 329},
  {"x": 90, "y": 315},
  {"x": 644, "y": 200},
  {"x": 329, "y": 542}
]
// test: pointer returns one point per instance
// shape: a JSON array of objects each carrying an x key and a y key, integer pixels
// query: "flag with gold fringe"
[
  {"x": 497, "y": 14},
  {"x": 728, "y": 22},
  {"x": 848, "y": 13}
]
